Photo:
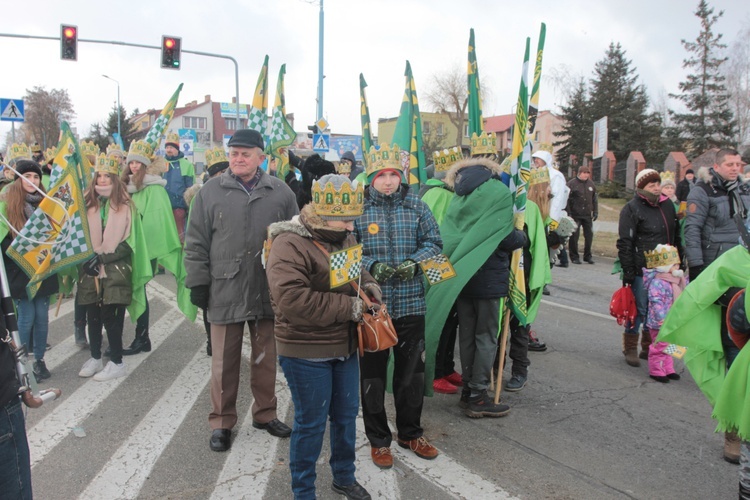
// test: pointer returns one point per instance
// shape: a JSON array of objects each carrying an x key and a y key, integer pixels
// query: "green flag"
[
  {"x": 282, "y": 134},
  {"x": 153, "y": 138},
  {"x": 476, "y": 125},
  {"x": 520, "y": 172},
  {"x": 534, "y": 102},
  {"x": 408, "y": 133},
  {"x": 364, "y": 112},
  {"x": 258, "y": 118}
]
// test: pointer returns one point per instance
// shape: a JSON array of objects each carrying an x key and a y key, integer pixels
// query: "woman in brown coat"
[{"x": 316, "y": 331}]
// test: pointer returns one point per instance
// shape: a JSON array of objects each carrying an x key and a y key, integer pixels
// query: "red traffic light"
[
  {"x": 169, "y": 43},
  {"x": 69, "y": 32}
]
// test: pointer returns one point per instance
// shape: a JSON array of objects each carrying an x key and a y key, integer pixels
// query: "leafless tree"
[
  {"x": 44, "y": 112},
  {"x": 448, "y": 94},
  {"x": 737, "y": 72}
]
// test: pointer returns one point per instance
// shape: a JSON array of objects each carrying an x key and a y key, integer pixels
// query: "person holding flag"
[{"x": 397, "y": 231}]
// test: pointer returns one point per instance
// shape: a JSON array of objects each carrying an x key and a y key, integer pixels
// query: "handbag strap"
[{"x": 357, "y": 288}]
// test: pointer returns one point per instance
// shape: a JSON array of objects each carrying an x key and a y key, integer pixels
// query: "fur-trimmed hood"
[
  {"x": 450, "y": 177},
  {"x": 191, "y": 192},
  {"x": 307, "y": 224},
  {"x": 288, "y": 226},
  {"x": 704, "y": 174}
]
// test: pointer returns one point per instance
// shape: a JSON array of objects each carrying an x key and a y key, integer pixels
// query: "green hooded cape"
[
  {"x": 163, "y": 244},
  {"x": 142, "y": 272}
]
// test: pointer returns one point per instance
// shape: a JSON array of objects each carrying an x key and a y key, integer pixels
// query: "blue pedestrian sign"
[
  {"x": 11, "y": 110},
  {"x": 321, "y": 143}
]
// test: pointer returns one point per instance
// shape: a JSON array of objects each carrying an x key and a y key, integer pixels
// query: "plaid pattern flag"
[
  {"x": 56, "y": 235},
  {"x": 364, "y": 112},
  {"x": 282, "y": 134},
  {"x": 153, "y": 138},
  {"x": 408, "y": 133},
  {"x": 437, "y": 269},
  {"x": 476, "y": 125},
  {"x": 520, "y": 173},
  {"x": 346, "y": 265},
  {"x": 534, "y": 102},
  {"x": 258, "y": 118}
]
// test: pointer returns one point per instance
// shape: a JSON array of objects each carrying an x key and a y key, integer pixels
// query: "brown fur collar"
[{"x": 450, "y": 177}]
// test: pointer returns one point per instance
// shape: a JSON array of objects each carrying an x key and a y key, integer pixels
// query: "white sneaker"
[
  {"x": 91, "y": 367},
  {"x": 111, "y": 371}
]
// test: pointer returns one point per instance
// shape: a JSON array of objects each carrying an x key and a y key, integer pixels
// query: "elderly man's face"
[
  {"x": 730, "y": 167},
  {"x": 244, "y": 162}
]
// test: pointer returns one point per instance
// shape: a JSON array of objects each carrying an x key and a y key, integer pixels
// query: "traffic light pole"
[{"x": 142, "y": 46}]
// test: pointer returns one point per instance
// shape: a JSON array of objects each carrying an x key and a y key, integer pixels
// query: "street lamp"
[{"x": 118, "y": 104}]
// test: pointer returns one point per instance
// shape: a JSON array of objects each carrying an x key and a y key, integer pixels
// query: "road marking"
[
  {"x": 73, "y": 409},
  {"x": 379, "y": 483},
  {"x": 584, "y": 311},
  {"x": 65, "y": 309},
  {"x": 67, "y": 348},
  {"x": 253, "y": 455},
  {"x": 125, "y": 473}
]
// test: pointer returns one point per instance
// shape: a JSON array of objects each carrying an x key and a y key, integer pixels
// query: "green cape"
[
  {"x": 183, "y": 294},
  {"x": 540, "y": 273},
  {"x": 473, "y": 227},
  {"x": 142, "y": 271},
  {"x": 155, "y": 210},
  {"x": 438, "y": 199}
]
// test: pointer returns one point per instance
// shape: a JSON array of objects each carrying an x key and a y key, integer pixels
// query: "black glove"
[
  {"x": 694, "y": 271},
  {"x": 595, "y": 216},
  {"x": 199, "y": 296},
  {"x": 91, "y": 266},
  {"x": 628, "y": 280},
  {"x": 737, "y": 317}
]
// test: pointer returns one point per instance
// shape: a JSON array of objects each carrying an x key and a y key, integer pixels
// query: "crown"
[
  {"x": 383, "y": 159},
  {"x": 173, "y": 138},
  {"x": 107, "y": 164},
  {"x": 666, "y": 255},
  {"x": 666, "y": 176},
  {"x": 89, "y": 148},
  {"x": 114, "y": 148},
  {"x": 17, "y": 151},
  {"x": 483, "y": 144},
  {"x": 538, "y": 176},
  {"x": 445, "y": 159},
  {"x": 49, "y": 154},
  {"x": 142, "y": 149},
  {"x": 214, "y": 156},
  {"x": 36, "y": 148},
  {"x": 345, "y": 203}
]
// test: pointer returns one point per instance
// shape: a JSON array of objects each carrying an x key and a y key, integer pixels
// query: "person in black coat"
[
  {"x": 313, "y": 169},
  {"x": 685, "y": 185}
]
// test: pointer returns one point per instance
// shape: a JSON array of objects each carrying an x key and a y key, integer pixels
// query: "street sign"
[
  {"x": 322, "y": 124},
  {"x": 11, "y": 110},
  {"x": 321, "y": 143}
]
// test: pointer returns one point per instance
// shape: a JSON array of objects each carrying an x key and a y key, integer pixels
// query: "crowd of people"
[{"x": 274, "y": 275}]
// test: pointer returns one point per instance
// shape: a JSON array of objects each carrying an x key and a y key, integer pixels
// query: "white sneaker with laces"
[
  {"x": 111, "y": 371},
  {"x": 91, "y": 367}
]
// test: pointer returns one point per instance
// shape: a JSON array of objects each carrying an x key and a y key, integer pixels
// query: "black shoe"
[
  {"x": 484, "y": 406},
  {"x": 673, "y": 376},
  {"x": 589, "y": 260},
  {"x": 465, "y": 393},
  {"x": 545, "y": 291},
  {"x": 575, "y": 261},
  {"x": 140, "y": 344},
  {"x": 354, "y": 491},
  {"x": 40, "y": 370},
  {"x": 275, "y": 428},
  {"x": 220, "y": 440},
  {"x": 663, "y": 380},
  {"x": 562, "y": 264}
]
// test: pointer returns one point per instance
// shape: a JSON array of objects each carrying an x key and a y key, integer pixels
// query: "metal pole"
[
  {"x": 118, "y": 104},
  {"x": 13, "y": 130},
  {"x": 320, "y": 63}
]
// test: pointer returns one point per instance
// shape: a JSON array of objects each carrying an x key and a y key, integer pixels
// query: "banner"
[
  {"x": 408, "y": 133},
  {"x": 600, "y": 138},
  {"x": 258, "y": 119},
  {"x": 437, "y": 269},
  {"x": 282, "y": 134},
  {"x": 476, "y": 124},
  {"x": 364, "y": 112},
  {"x": 153, "y": 138},
  {"x": 534, "y": 102}
]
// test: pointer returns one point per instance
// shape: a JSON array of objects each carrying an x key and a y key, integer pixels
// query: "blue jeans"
[
  {"x": 15, "y": 466},
  {"x": 641, "y": 304},
  {"x": 33, "y": 315},
  {"x": 319, "y": 389}
]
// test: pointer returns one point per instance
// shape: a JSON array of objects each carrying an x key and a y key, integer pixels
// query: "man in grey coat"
[{"x": 223, "y": 248}]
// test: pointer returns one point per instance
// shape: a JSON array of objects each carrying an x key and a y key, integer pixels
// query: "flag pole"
[{"x": 503, "y": 343}]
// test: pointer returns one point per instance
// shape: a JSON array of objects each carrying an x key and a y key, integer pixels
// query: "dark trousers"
[
  {"x": 111, "y": 317},
  {"x": 519, "y": 348},
  {"x": 15, "y": 465},
  {"x": 444, "y": 363},
  {"x": 141, "y": 324},
  {"x": 563, "y": 256},
  {"x": 408, "y": 385},
  {"x": 588, "y": 236}
]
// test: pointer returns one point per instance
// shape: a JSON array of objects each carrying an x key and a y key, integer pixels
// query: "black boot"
[
  {"x": 141, "y": 344},
  {"x": 208, "y": 345}
]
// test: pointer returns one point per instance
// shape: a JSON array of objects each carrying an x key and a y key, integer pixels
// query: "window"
[
  {"x": 232, "y": 122},
  {"x": 426, "y": 128},
  {"x": 195, "y": 122},
  {"x": 466, "y": 130},
  {"x": 144, "y": 125},
  {"x": 440, "y": 129}
]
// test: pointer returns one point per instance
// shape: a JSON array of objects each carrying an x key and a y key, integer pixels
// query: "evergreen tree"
[
  {"x": 575, "y": 136},
  {"x": 126, "y": 126},
  {"x": 708, "y": 121},
  {"x": 616, "y": 94}
]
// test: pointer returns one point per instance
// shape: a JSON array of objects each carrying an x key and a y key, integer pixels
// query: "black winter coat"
[
  {"x": 491, "y": 280},
  {"x": 17, "y": 279},
  {"x": 642, "y": 227}
]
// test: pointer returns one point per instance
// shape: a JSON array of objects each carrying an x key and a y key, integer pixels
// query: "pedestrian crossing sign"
[
  {"x": 321, "y": 143},
  {"x": 11, "y": 110}
]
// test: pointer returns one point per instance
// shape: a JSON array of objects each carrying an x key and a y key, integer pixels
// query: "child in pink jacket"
[{"x": 663, "y": 284}]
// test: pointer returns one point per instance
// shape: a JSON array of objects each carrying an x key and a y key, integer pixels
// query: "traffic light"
[
  {"x": 68, "y": 42},
  {"x": 313, "y": 130},
  {"x": 170, "y": 52}
]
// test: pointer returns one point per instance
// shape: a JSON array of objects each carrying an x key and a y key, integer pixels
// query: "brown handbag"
[{"x": 375, "y": 330}]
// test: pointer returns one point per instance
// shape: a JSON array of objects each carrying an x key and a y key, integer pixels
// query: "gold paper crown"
[
  {"x": 445, "y": 159},
  {"x": 346, "y": 203},
  {"x": 49, "y": 154},
  {"x": 89, "y": 148},
  {"x": 668, "y": 255},
  {"x": 383, "y": 159},
  {"x": 114, "y": 148},
  {"x": 483, "y": 144},
  {"x": 173, "y": 137},
  {"x": 214, "y": 156},
  {"x": 666, "y": 176},
  {"x": 17, "y": 151},
  {"x": 36, "y": 148},
  {"x": 141, "y": 148},
  {"x": 539, "y": 175},
  {"x": 107, "y": 164}
]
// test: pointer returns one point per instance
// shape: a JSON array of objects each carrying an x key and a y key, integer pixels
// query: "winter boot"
[
  {"x": 141, "y": 343},
  {"x": 645, "y": 343},
  {"x": 732, "y": 447},
  {"x": 630, "y": 348}
]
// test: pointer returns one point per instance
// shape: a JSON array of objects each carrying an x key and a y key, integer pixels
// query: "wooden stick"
[
  {"x": 59, "y": 302},
  {"x": 503, "y": 340},
  {"x": 96, "y": 284}
]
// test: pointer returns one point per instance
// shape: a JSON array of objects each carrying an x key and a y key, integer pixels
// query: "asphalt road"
[{"x": 586, "y": 426}]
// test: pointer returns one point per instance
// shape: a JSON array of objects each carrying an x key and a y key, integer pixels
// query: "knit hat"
[
  {"x": 646, "y": 177},
  {"x": 335, "y": 197},
  {"x": 689, "y": 171},
  {"x": 26, "y": 166},
  {"x": 668, "y": 182},
  {"x": 140, "y": 151}
]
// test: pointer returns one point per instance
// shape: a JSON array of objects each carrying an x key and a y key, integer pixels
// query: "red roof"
[
  {"x": 679, "y": 157},
  {"x": 499, "y": 123}
]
